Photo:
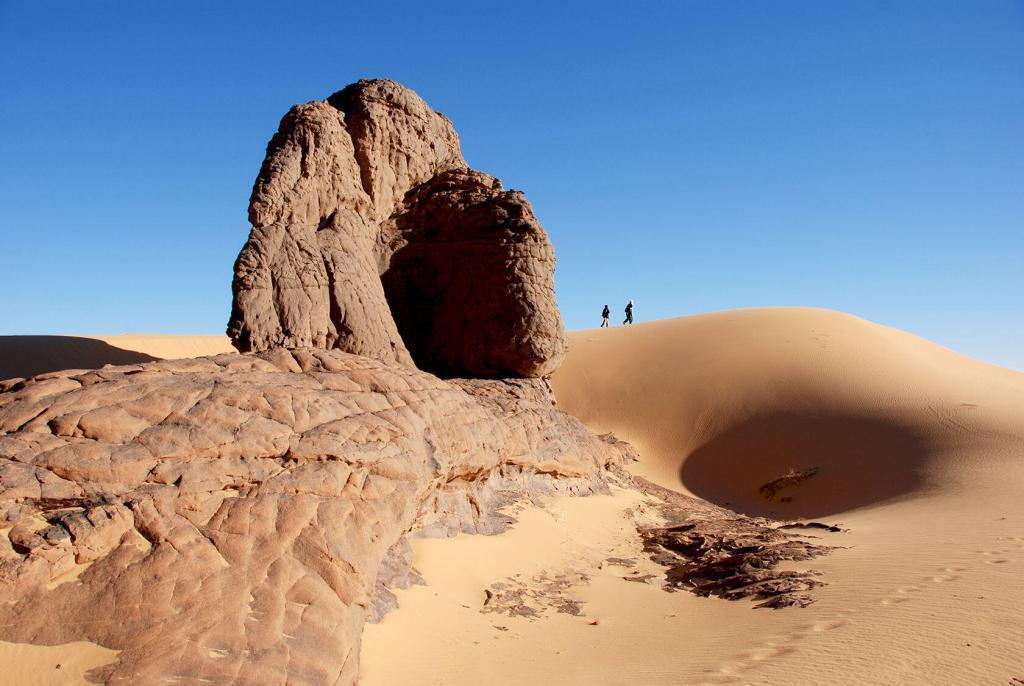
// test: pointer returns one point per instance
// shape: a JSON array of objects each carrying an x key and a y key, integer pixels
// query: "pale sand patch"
[
  {"x": 68, "y": 576},
  {"x": 642, "y": 633},
  {"x": 60, "y": 665}
]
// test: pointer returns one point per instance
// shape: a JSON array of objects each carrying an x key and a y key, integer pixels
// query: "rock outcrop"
[
  {"x": 231, "y": 514},
  {"x": 238, "y": 518},
  {"x": 470, "y": 279},
  {"x": 709, "y": 550},
  {"x": 371, "y": 185}
]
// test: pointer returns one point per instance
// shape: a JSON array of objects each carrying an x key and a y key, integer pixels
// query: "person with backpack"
[
  {"x": 605, "y": 313},
  {"x": 629, "y": 313}
]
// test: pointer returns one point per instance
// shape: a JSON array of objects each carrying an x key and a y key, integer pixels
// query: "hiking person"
[
  {"x": 629, "y": 313},
  {"x": 605, "y": 313}
]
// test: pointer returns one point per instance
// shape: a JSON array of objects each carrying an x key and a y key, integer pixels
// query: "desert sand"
[
  {"x": 59, "y": 665},
  {"x": 26, "y": 356},
  {"x": 919, "y": 454},
  {"x": 916, "y": 451}
]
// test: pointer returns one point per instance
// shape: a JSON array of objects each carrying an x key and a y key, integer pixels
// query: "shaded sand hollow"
[{"x": 917, "y": 452}]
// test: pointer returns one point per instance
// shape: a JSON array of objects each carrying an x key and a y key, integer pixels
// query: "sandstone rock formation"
[
  {"x": 237, "y": 518},
  {"x": 371, "y": 185},
  {"x": 231, "y": 513},
  {"x": 471, "y": 265}
]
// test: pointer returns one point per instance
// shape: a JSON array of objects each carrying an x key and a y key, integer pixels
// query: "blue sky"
[{"x": 861, "y": 156}]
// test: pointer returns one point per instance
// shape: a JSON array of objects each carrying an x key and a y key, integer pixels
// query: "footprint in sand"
[
  {"x": 901, "y": 595},
  {"x": 749, "y": 659},
  {"x": 783, "y": 645},
  {"x": 818, "y": 627},
  {"x": 769, "y": 651},
  {"x": 945, "y": 575},
  {"x": 995, "y": 557},
  {"x": 949, "y": 574}
]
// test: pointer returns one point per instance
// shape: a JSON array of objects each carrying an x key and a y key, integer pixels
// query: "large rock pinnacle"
[{"x": 371, "y": 236}]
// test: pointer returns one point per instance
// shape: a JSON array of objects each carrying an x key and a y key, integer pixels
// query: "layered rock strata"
[
  {"x": 371, "y": 185},
  {"x": 235, "y": 519}
]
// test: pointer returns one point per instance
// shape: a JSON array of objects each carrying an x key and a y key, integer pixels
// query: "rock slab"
[{"x": 236, "y": 519}]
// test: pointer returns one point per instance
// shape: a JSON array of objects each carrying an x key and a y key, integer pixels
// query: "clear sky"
[{"x": 860, "y": 156}]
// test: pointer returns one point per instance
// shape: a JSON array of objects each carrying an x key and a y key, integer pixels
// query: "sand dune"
[
  {"x": 916, "y": 450},
  {"x": 723, "y": 404},
  {"x": 25, "y": 356}
]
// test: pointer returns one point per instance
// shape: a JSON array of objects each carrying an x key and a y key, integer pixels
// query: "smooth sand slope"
[
  {"x": 27, "y": 356},
  {"x": 917, "y": 451},
  {"x": 721, "y": 404}
]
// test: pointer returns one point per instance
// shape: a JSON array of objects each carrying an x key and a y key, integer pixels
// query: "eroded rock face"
[
  {"x": 471, "y": 279},
  {"x": 372, "y": 183},
  {"x": 709, "y": 550},
  {"x": 234, "y": 512}
]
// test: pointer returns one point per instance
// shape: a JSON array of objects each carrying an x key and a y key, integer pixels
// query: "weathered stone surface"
[
  {"x": 471, "y": 279},
  {"x": 308, "y": 276},
  {"x": 709, "y": 550},
  {"x": 371, "y": 183},
  {"x": 242, "y": 516}
]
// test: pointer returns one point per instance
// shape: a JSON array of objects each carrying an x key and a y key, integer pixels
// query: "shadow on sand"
[
  {"x": 792, "y": 465},
  {"x": 27, "y": 356}
]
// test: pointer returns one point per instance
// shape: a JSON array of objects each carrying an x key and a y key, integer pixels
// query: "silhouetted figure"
[
  {"x": 629, "y": 313},
  {"x": 605, "y": 313}
]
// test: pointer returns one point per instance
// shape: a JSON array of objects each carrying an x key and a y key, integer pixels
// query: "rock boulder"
[{"x": 369, "y": 185}]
